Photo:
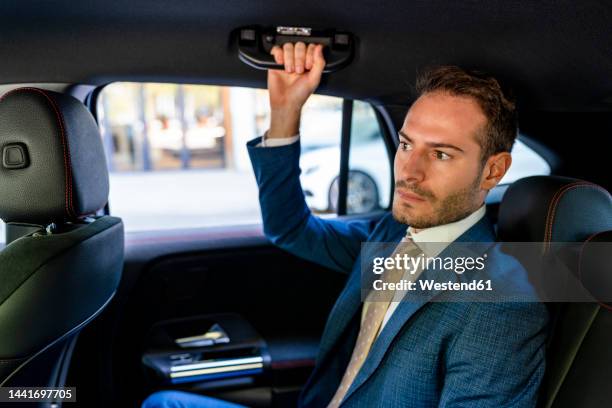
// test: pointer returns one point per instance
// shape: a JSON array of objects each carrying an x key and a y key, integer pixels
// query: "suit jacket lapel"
[{"x": 481, "y": 232}]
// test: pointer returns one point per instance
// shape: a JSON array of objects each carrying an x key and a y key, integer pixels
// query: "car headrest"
[
  {"x": 595, "y": 267},
  {"x": 52, "y": 163},
  {"x": 553, "y": 209}
]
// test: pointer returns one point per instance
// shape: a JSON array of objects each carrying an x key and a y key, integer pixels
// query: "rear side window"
[
  {"x": 177, "y": 155},
  {"x": 525, "y": 162}
]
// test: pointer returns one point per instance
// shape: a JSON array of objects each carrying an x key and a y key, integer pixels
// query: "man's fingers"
[
  {"x": 299, "y": 57},
  {"x": 309, "y": 56},
  {"x": 288, "y": 57},
  {"x": 317, "y": 65},
  {"x": 277, "y": 53}
]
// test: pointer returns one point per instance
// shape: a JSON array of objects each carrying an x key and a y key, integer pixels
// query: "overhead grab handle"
[{"x": 255, "y": 43}]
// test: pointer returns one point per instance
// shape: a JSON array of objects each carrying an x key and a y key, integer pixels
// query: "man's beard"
[{"x": 456, "y": 206}]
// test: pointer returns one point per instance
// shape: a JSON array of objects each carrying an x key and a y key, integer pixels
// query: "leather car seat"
[
  {"x": 547, "y": 209},
  {"x": 66, "y": 267}
]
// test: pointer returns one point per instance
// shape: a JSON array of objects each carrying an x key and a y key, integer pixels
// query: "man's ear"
[{"x": 494, "y": 170}]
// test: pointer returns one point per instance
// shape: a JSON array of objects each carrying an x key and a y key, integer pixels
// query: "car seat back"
[
  {"x": 545, "y": 209},
  {"x": 65, "y": 265}
]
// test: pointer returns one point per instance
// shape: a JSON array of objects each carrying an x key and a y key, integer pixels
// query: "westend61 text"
[{"x": 428, "y": 285}]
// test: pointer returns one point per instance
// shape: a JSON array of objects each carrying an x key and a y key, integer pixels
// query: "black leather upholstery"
[
  {"x": 558, "y": 209},
  {"x": 551, "y": 208},
  {"x": 61, "y": 274},
  {"x": 33, "y": 266},
  {"x": 65, "y": 174}
]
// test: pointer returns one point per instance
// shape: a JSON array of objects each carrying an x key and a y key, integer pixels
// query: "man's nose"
[{"x": 412, "y": 167}]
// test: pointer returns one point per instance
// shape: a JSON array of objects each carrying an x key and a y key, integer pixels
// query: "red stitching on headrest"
[
  {"x": 552, "y": 208},
  {"x": 69, "y": 203}
]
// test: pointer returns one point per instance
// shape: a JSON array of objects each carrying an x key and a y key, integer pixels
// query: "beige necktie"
[{"x": 375, "y": 314}]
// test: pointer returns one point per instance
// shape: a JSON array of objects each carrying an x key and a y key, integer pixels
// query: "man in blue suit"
[{"x": 410, "y": 351}]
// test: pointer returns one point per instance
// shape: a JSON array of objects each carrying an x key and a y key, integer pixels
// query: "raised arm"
[{"x": 287, "y": 219}]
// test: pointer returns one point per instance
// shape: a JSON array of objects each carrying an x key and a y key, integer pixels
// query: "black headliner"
[{"x": 556, "y": 54}]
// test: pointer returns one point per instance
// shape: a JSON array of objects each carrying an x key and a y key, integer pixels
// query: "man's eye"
[
  {"x": 404, "y": 146},
  {"x": 442, "y": 156}
]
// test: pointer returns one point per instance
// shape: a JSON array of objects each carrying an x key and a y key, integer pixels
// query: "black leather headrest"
[
  {"x": 553, "y": 209},
  {"x": 52, "y": 163}
]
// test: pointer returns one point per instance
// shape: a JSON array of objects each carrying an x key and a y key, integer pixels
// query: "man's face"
[{"x": 438, "y": 162}]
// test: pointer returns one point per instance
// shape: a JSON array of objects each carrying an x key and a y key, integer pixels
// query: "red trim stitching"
[
  {"x": 552, "y": 208},
  {"x": 601, "y": 304},
  {"x": 69, "y": 203}
]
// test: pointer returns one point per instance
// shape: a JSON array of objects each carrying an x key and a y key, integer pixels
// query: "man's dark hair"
[{"x": 499, "y": 107}]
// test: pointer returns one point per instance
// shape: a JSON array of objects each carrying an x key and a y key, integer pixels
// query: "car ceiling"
[{"x": 556, "y": 54}]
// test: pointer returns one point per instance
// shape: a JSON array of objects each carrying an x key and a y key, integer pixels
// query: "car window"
[
  {"x": 369, "y": 167},
  {"x": 525, "y": 162},
  {"x": 177, "y": 156},
  {"x": 369, "y": 178}
]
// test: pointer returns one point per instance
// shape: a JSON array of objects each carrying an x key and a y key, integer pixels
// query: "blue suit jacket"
[{"x": 471, "y": 354}]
